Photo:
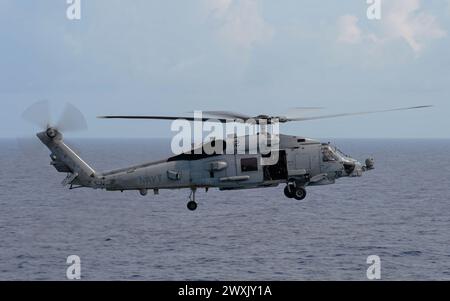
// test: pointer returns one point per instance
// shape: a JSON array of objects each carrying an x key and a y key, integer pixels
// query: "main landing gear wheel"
[
  {"x": 300, "y": 193},
  {"x": 289, "y": 192},
  {"x": 192, "y": 205}
]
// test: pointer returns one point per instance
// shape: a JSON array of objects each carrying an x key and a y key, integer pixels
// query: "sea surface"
[{"x": 400, "y": 212}]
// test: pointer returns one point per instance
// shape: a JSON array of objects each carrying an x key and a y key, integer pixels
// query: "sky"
[{"x": 149, "y": 57}]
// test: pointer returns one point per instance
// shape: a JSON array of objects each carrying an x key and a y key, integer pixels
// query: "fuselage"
[
  {"x": 299, "y": 160},
  {"x": 304, "y": 160}
]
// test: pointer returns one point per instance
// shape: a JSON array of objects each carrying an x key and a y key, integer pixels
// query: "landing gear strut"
[
  {"x": 293, "y": 190},
  {"x": 289, "y": 191},
  {"x": 192, "y": 205}
]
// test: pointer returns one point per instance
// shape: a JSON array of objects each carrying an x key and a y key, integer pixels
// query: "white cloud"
[
  {"x": 218, "y": 7},
  {"x": 241, "y": 25},
  {"x": 405, "y": 20},
  {"x": 349, "y": 32},
  {"x": 401, "y": 20}
]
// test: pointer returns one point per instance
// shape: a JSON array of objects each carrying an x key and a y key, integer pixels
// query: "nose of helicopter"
[
  {"x": 354, "y": 168},
  {"x": 359, "y": 168},
  {"x": 370, "y": 162}
]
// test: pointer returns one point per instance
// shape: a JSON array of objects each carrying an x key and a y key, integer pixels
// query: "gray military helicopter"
[{"x": 301, "y": 161}]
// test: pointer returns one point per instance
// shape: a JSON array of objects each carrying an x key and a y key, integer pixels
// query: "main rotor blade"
[
  {"x": 71, "y": 120},
  {"x": 38, "y": 114},
  {"x": 222, "y": 120},
  {"x": 227, "y": 114},
  {"x": 307, "y": 108},
  {"x": 355, "y": 113},
  {"x": 296, "y": 112}
]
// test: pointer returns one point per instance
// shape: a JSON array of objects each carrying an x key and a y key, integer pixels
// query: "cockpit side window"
[{"x": 328, "y": 155}]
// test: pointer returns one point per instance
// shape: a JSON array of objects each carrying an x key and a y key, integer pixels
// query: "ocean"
[{"x": 400, "y": 212}]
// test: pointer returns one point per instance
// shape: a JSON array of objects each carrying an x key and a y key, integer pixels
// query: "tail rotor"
[
  {"x": 39, "y": 115},
  {"x": 71, "y": 119}
]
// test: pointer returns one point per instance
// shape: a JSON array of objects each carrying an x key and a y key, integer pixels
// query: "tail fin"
[{"x": 66, "y": 160}]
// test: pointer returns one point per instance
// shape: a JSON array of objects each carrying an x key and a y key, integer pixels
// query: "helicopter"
[{"x": 299, "y": 161}]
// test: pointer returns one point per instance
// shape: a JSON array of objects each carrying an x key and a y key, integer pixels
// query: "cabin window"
[{"x": 249, "y": 164}]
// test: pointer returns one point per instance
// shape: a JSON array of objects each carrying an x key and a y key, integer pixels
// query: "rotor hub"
[{"x": 51, "y": 133}]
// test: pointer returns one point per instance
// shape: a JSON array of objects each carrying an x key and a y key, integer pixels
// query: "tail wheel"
[
  {"x": 300, "y": 193},
  {"x": 191, "y": 205}
]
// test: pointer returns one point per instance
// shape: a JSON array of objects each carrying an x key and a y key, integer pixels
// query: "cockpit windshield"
[{"x": 340, "y": 153}]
